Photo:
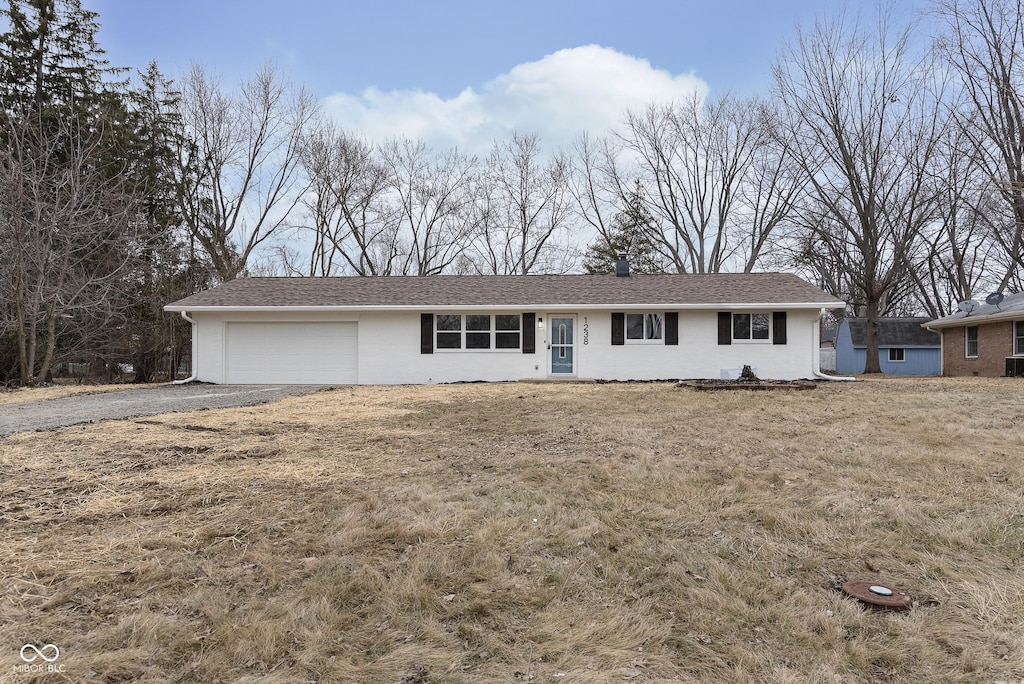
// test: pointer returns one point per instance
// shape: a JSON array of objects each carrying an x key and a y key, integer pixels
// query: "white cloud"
[{"x": 558, "y": 97}]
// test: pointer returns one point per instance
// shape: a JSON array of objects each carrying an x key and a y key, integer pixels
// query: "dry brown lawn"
[
  {"x": 20, "y": 395},
  {"x": 547, "y": 533}
]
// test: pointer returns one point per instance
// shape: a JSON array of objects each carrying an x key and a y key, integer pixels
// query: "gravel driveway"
[{"x": 137, "y": 401}]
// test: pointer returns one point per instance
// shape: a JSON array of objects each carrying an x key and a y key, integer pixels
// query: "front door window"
[{"x": 562, "y": 345}]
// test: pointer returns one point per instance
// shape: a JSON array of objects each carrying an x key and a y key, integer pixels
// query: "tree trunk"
[
  {"x": 145, "y": 364},
  {"x": 871, "y": 363},
  {"x": 44, "y": 375}
]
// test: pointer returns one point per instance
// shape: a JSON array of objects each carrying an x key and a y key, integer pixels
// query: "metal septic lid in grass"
[{"x": 876, "y": 594}]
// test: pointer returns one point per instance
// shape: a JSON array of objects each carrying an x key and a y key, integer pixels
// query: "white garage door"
[{"x": 291, "y": 353}]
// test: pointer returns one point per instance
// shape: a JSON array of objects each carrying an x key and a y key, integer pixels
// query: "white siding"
[
  {"x": 389, "y": 354},
  {"x": 698, "y": 354}
]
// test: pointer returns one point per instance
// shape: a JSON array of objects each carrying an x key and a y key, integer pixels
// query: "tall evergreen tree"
[
  {"x": 166, "y": 270},
  {"x": 49, "y": 57},
  {"x": 631, "y": 233},
  {"x": 69, "y": 238}
]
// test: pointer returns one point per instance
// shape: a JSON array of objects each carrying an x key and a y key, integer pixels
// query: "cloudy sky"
[{"x": 465, "y": 72}]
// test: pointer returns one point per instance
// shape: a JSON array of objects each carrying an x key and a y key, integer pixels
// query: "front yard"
[{"x": 571, "y": 533}]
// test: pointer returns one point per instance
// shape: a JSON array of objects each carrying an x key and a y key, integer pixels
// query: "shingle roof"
[
  {"x": 527, "y": 291},
  {"x": 1011, "y": 308},
  {"x": 894, "y": 332}
]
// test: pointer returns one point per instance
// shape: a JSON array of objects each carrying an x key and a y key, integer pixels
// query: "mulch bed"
[{"x": 710, "y": 385}]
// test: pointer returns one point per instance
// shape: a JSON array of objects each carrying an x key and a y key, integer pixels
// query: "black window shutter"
[
  {"x": 671, "y": 327},
  {"x": 724, "y": 327},
  {"x": 618, "y": 328},
  {"x": 529, "y": 333},
  {"x": 426, "y": 333},
  {"x": 778, "y": 327}
]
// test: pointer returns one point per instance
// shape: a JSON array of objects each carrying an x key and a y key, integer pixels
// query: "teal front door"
[{"x": 563, "y": 345}]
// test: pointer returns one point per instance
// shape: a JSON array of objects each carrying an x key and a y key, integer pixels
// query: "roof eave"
[
  {"x": 974, "y": 320},
  {"x": 175, "y": 308}
]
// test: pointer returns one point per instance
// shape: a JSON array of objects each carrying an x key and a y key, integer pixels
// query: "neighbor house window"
[
  {"x": 478, "y": 331},
  {"x": 972, "y": 342},
  {"x": 897, "y": 354},
  {"x": 644, "y": 327},
  {"x": 1018, "y": 338},
  {"x": 751, "y": 326}
]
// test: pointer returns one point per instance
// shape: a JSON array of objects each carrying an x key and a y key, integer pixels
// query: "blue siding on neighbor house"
[
  {"x": 917, "y": 360},
  {"x": 847, "y": 360}
]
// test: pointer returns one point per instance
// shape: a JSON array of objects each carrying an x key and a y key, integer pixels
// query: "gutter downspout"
[
  {"x": 816, "y": 366},
  {"x": 191, "y": 378}
]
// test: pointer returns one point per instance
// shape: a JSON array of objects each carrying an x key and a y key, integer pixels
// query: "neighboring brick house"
[{"x": 987, "y": 341}]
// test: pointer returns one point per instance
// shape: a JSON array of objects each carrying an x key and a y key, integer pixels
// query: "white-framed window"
[
  {"x": 1018, "y": 338},
  {"x": 751, "y": 327},
  {"x": 897, "y": 354},
  {"x": 971, "y": 342},
  {"x": 478, "y": 332},
  {"x": 448, "y": 331},
  {"x": 507, "y": 331},
  {"x": 644, "y": 327}
]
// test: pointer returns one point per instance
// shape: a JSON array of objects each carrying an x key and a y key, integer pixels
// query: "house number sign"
[{"x": 586, "y": 331}]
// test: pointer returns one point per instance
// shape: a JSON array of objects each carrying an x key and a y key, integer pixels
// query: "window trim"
[
  {"x": 438, "y": 331},
  {"x": 750, "y": 340},
  {"x": 902, "y": 352},
  {"x": 495, "y": 331},
  {"x": 967, "y": 342},
  {"x": 1018, "y": 338},
  {"x": 492, "y": 332},
  {"x": 645, "y": 340}
]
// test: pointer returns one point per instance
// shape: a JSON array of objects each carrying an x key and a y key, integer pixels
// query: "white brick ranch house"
[{"x": 435, "y": 329}]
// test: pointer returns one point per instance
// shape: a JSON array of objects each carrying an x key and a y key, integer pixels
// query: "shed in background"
[{"x": 904, "y": 347}]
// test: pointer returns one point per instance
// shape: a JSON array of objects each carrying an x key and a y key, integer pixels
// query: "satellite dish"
[
  {"x": 968, "y": 305},
  {"x": 994, "y": 299}
]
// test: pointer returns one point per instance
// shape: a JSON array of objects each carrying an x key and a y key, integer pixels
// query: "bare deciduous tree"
[
  {"x": 866, "y": 125},
  {"x": 714, "y": 179},
  {"x": 689, "y": 160},
  {"x": 522, "y": 218},
  {"x": 345, "y": 204},
  {"x": 65, "y": 227},
  {"x": 592, "y": 184},
  {"x": 238, "y": 172},
  {"x": 984, "y": 43},
  {"x": 773, "y": 183},
  {"x": 429, "y": 205},
  {"x": 959, "y": 248}
]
